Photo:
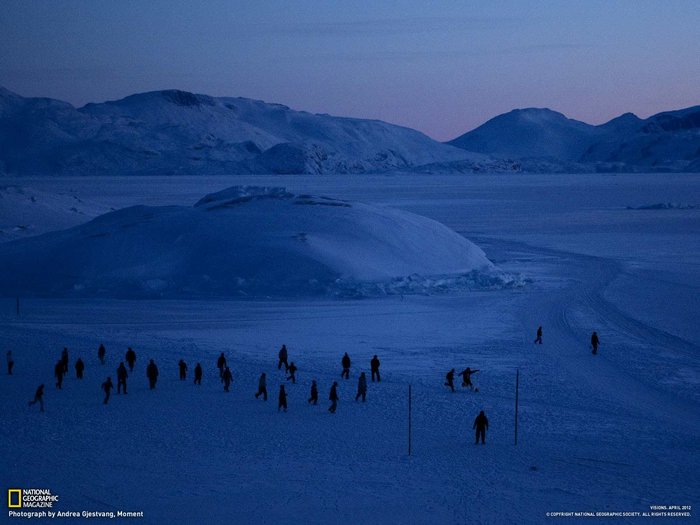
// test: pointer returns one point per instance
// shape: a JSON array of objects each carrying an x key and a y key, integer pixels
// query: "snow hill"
[
  {"x": 175, "y": 132},
  {"x": 244, "y": 241},
  {"x": 544, "y": 140}
]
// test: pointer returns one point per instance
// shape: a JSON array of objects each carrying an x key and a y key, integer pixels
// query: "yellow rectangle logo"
[{"x": 16, "y": 495}]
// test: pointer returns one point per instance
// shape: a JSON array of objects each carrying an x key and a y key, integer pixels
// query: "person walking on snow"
[
  {"x": 346, "y": 366},
  {"x": 39, "y": 397},
  {"x": 450, "y": 378},
  {"x": 481, "y": 424},
  {"x": 262, "y": 387},
  {"x": 227, "y": 378},
  {"x": 595, "y": 342},
  {"x": 283, "y": 359},
  {"x": 282, "y": 399},
  {"x": 538, "y": 340},
  {"x": 121, "y": 378},
  {"x": 361, "y": 387},
  {"x": 130, "y": 358},
  {"x": 183, "y": 370},
  {"x": 333, "y": 397},
  {"x": 58, "y": 372},
  {"x": 292, "y": 371},
  {"x": 467, "y": 377},
  {"x": 107, "y": 386},
  {"x": 313, "y": 400},
  {"x": 79, "y": 368},
  {"x": 198, "y": 374},
  {"x": 374, "y": 365},
  {"x": 221, "y": 365},
  {"x": 101, "y": 353},
  {"x": 10, "y": 363},
  {"x": 152, "y": 374}
]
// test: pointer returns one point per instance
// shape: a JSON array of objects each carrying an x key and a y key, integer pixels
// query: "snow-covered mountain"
[
  {"x": 544, "y": 140},
  {"x": 244, "y": 241},
  {"x": 173, "y": 132}
]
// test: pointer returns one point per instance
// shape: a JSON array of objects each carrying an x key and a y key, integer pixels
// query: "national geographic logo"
[{"x": 30, "y": 498}]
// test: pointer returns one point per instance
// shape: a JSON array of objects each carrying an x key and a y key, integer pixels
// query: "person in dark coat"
[
  {"x": 152, "y": 374},
  {"x": 198, "y": 374},
  {"x": 361, "y": 387},
  {"x": 227, "y": 378},
  {"x": 64, "y": 359},
  {"x": 450, "y": 377},
  {"x": 292, "y": 372},
  {"x": 107, "y": 386},
  {"x": 130, "y": 358},
  {"x": 183, "y": 370},
  {"x": 38, "y": 397},
  {"x": 262, "y": 387},
  {"x": 221, "y": 365},
  {"x": 282, "y": 399},
  {"x": 595, "y": 342},
  {"x": 467, "y": 377},
  {"x": 314, "y": 393},
  {"x": 346, "y": 366},
  {"x": 10, "y": 362},
  {"x": 539, "y": 335},
  {"x": 481, "y": 424},
  {"x": 283, "y": 359},
  {"x": 374, "y": 365},
  {"x": 121, "y": 378},
  {"x": 79, "y": 368},
  {"x": 101, "y": 353},
  {"x": 333, "y": 397},
  {"x": 58, "y": 372}
]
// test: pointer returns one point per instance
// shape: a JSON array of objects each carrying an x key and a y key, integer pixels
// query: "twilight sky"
[{"x": 442, "y": 67}]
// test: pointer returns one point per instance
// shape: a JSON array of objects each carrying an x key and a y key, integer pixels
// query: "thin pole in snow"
[
  {"x": 409, "y": 419},
  {"x": 517, "y": 384}
]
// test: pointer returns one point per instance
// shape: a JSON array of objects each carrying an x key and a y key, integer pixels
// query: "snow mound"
[
  {"x": 663, "y": 206},
  {"x": 247, "y": 242}
]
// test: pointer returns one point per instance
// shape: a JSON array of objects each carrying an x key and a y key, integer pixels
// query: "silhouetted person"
[
  {"x": 481, "y": 424},
  {"x": 346, "y": 366},
  {"x": 107, "y": 386},
  {"x": 38, "y": 397},
  {"x": 467, "y": 377},
  {"x": 183, "y": 370},
  {"x": 130, "y": 358},
  {"x": 539, "y": 335},
  {"x": 292, "y": 372},
  {"x": 101, "y": 353},
  {"x": 152, "y": 374},
  {"x": 283, "y": 359},
  {"x": 361, "y": 387},
  {"x": 64, "y": 360},
  {"x": 374, "y": 365},
  {"x": 121, "y": 378},
  {"x": 262, "y": 387},
  {"x": 333, "y": 397},
  {"x": 282, "y": 404},
  {"x": 227, "y": 378},
  {"x": 79, "y": 368},
  {"x": 314, "y": 393},
  {"x": 58, "y": 372},
  {"x": 595, "y": 342},
  {"x": 10, "y": 362},
  {"x": 198, "y": 374},
  {"x": 221, "y": 365},
  {"x": 450, "y": 378}
]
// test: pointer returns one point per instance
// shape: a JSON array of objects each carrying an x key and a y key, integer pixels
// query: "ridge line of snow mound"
[{"x": 249, "y": 241}]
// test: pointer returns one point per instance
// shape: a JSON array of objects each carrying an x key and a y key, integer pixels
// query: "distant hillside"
[
  {"x": 175, "y": 132},
  {"x": 544, "y": 140}
]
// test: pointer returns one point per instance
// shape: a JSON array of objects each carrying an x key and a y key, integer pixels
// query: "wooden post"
[
  {"x": 517, "y": 384},
  {"x": 409, "y": 419}
]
